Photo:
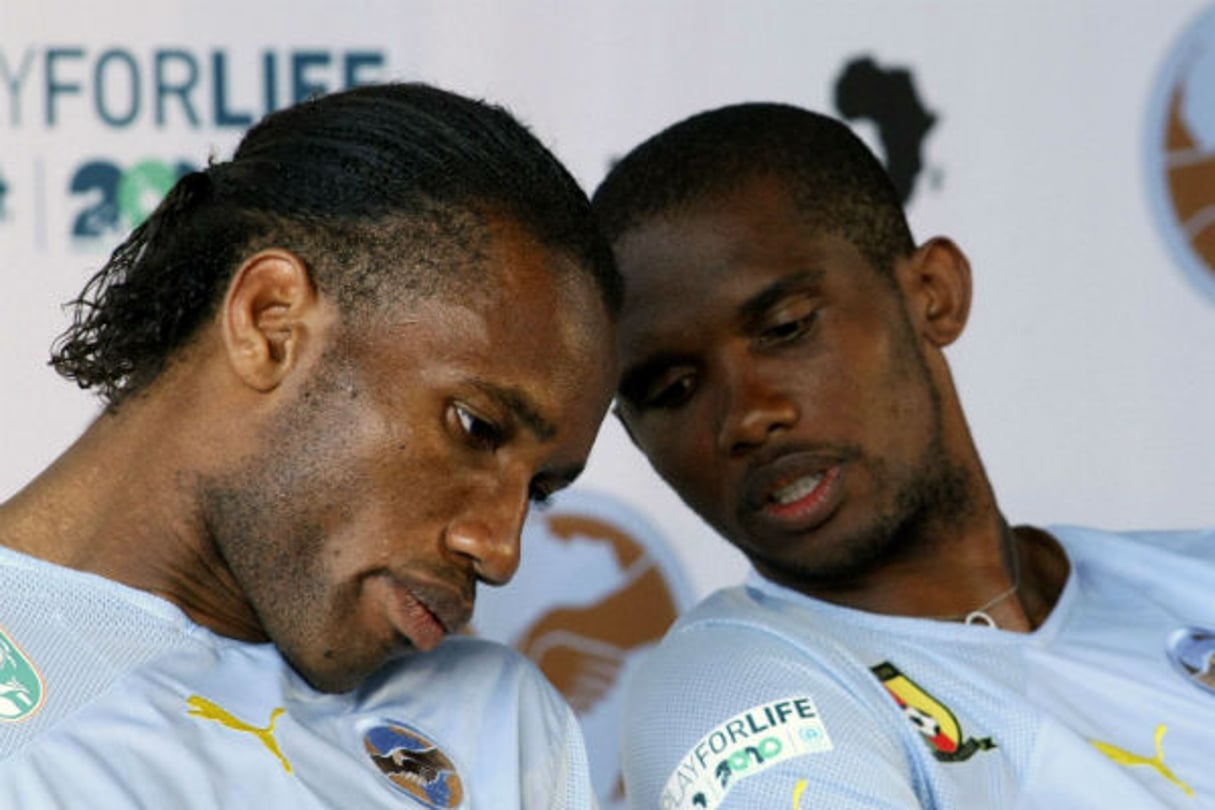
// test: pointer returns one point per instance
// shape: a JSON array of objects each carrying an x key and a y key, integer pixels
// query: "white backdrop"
[{"x": 1087, "y": 370}]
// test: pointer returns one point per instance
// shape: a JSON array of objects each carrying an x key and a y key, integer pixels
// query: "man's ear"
[
  {"x": 936, "y": 290},
  {"x": 267, "y": 314}
]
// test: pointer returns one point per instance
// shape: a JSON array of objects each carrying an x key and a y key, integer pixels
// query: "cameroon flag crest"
[{"x": 933, "y": 719}]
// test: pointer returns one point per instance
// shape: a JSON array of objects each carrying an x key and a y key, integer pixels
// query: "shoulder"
[
  {"x": 733, "y": 627},
  {"x": 483, "y": 678},
  {"x": 1174, "y": 571},
  {"x": 470, "y": 658},
  {"x": 744, "y": 607},
  {"x": 461, "y": 663},
  {"x": 1088, "y": 545},
  {"x": 497, "y": 708},
  {"x": 69, "y": 640},
  {"x": 736, "y": 682},
  {"x": 733, "y": 648},
  {"x": 475, "y": 649}
]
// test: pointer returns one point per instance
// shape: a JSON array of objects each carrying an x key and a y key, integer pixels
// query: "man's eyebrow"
[
  {"x": 520, "y": 405},
  {"x": 754, "y": 308}
]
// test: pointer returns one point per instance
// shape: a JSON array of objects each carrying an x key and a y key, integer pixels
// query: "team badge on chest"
[
  {"x": 414, "y": 765},
  {"x": 933, "y": 719},
  {"x": 21, "y": 688}
]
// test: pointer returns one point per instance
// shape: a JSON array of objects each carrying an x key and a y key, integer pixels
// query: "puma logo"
[
  {"x": 1129, "y": 760},
  {"x": 798, "y": 790},
  {"x": 201, "y": 707}
]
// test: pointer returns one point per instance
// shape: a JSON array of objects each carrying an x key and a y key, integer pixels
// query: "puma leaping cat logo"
[
  {"x": 1126, "y": 758},
  {"x": 201, "y": 707},
  {"x": 798, "y": 790}
]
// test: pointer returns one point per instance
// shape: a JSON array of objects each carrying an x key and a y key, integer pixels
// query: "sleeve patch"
[{"x": 744, "y": 745}]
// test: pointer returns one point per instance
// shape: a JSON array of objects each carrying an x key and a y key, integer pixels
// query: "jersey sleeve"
[
  {"x": 555, "y": 770},
  {"x": 728, "y": 716}
]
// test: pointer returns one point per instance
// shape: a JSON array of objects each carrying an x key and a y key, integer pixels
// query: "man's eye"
[
  {"x": 787, "y": 330},
  {"x": 671, "y": 393},
  {"x": 479, "y": 432}
]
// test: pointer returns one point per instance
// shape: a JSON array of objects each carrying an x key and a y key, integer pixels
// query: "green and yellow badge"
[{"x": 21, "y": 689}]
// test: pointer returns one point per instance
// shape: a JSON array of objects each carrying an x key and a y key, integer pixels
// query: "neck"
[
  {"x": 981, "y": 614},
  {"x": 119, "y": 503},
  {"x": 1039, "y": 572},
  {"x": 1013, "y": 575}
]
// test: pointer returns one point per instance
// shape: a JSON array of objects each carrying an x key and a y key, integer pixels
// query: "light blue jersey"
[
  {"x": 764, "y": 698},
  {"x": 112, "y": 698}
]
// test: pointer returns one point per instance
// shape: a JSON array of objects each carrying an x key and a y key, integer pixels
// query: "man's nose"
[
  {"x": 752, "y": 406},
  {"x": 488, "y": 532}
]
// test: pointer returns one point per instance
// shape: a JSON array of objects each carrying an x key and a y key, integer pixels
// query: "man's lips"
[
  {"x": 422, "y": 611},
  {"x": 796, "y": 491}
]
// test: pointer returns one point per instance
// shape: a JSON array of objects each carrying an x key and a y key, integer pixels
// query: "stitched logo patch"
[
  {"x": 933, "y": 719},
  {"x": 742, "y": 746},
  {"x": 21, "y": 687},
  {"x": 414, "y": 765}
]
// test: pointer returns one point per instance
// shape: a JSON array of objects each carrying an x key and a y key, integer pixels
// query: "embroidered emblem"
[
  {"x": 933, "y": 719},
  {"x": 1192, "y": 653},
  {"x": 21, "y": 687},
  {"x": 1156, "y": 763},
  {"x": 414, "y": 764},
  {"x": 798, "y": 790},
  {"x": 201, "y": 707},
  {"x": 742, "y": 746}
]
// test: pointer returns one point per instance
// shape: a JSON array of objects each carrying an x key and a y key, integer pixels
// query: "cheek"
[
  {"x": 874, "y": 384},
  {"x": 366, "y": 492},
  {"x": 907, "y": 396},
  {"x": 682, "y": 453},
  {"x": 842, "y": 401},
  {"x": 407, "y": 460},
  {"x": 399, "y": 509}
]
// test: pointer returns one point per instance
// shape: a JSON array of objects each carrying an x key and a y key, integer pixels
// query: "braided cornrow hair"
[{"x": 368, "y": 186}]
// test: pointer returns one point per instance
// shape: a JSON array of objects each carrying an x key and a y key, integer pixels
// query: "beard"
[
  {"x": 276, "y": 560},
  {"x": 930, "y": 494},
  {"x": 270, "y": 518},
  {"x": 925, "y": 504}
]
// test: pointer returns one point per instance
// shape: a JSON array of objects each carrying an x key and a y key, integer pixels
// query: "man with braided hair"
[{"x": 335, "y": 368}]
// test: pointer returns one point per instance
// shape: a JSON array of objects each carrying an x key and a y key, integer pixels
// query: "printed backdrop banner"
[{"x": 1069, "y": 149}]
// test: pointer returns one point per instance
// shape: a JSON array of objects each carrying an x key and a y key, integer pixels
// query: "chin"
[
  {"x": 330, "y": 681},
  {"x": 330, "y": 676}
]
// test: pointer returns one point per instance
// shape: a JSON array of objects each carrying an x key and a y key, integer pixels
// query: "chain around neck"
[{"x": 980, "y": 615}]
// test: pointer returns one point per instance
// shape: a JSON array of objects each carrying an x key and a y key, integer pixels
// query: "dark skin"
[
  {"x": 804, "y": 408},
  {"x": 338, "y": 489}
]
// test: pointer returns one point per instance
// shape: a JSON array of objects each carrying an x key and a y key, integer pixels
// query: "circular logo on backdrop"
[
  {"x": 599, "y": 585},
  {"x": 414, "y": 764},
  {"x": 1181, "y": 151}
]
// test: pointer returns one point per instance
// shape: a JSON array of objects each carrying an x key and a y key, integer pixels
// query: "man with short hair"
[
  {"x": 336, "y": 369},
  {"x": 898, "y": 643}
]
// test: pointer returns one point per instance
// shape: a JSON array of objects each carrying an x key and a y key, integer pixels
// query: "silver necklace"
[{"x": 980, "y": 615}]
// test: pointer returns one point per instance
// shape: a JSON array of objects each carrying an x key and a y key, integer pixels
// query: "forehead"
[
  {"x": 528, "y": 318},
  {"x": 702, "y": 261},
  {"x": 712, "y": 234}
]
